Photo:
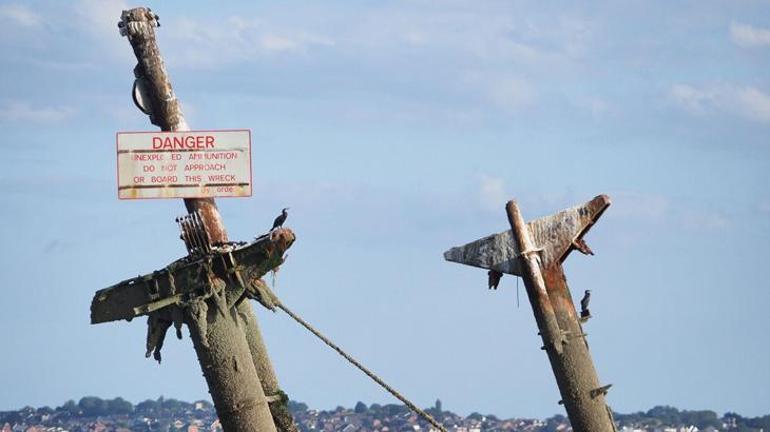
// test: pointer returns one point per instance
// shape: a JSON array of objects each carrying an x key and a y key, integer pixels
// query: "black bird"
[
  {"x": 278, "y": 222},
  {"x": 584, "y": 312},
  {"x": 494, "y": 279}
]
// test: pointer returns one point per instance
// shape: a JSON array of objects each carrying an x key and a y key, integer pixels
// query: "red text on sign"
[{"x": 191, "y": 142}]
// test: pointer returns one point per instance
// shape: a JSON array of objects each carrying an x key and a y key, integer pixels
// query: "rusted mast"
[
  {"x": 582, "y": 394},
  {"x": 536, "y": 290},
  {"x": 230, "y": 355},
  {"x": 535, "y": 251}
]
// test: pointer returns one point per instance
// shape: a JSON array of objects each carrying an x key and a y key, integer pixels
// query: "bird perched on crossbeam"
[
  {"x": 278, "y": 222},
  {"x": 584, "y": 312}
]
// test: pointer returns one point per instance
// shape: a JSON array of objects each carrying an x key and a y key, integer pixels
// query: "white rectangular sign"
[{"x": 189, "y": 164}]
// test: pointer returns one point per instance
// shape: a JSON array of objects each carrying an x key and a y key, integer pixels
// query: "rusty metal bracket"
[
  {"x": 600, "y": 391},
  {"x": 582, "y": 247},
  {"x": 232, "y": 269},
  {"x": 194, "y": 234}
]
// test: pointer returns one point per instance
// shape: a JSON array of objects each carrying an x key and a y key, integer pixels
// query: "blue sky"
[{"x": 395, "y": 130}]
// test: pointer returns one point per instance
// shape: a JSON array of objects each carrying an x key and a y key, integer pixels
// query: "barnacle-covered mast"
[{"x": 204, "y": 290}]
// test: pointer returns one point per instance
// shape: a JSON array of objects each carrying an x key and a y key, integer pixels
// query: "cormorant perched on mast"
[
  {"x": 278, "y": 222},
  {"x": 584, "y": 312}
]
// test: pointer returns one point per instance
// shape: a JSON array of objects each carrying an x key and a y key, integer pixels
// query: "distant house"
[{"x": 215, "y": 426}]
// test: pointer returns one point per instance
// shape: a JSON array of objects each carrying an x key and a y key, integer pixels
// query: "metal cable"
[{"x": 363, "y": 369}]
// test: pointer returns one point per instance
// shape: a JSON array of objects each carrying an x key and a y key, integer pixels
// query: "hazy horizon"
[{"x": 351, "y": 405}]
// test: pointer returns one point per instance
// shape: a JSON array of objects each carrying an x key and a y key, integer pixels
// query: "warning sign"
[{"x": 189, "y": 164}]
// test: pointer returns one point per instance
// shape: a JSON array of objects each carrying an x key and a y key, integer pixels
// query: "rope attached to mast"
[{"x": 363, "y": 369}]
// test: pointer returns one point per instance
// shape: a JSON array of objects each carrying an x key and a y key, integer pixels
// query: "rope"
[{"x": 363, "y": 369}]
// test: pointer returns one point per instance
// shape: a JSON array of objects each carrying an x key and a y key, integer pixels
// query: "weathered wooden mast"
[
  {"x": 535, "y": 251},
  {"x": 204, "y": 291}
]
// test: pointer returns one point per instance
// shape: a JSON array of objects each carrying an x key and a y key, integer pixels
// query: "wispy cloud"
[
  {"x": 489, "y": 58},
  {"x": 98, "y": 21},
  {"x": 511, "y": 93},
  {"x": 693, "y": 99},
  {"x": 237, "y": 40},
  {"x": 746, "y": 35},
  {"x": 24, "y": 112},
  {"x": 660, "y": 210},
  {"x": 747, "y": 102},
  {"x": 641, "y": 206},
  {"x": 101, "y": 16},
  {"x": 508, "y": 93},
  {"x": 20, "y": 15},
  {"x": 754, "y": 103},
  {"x": 700, "y": 220},
  {"x": 492, "y": 195}
]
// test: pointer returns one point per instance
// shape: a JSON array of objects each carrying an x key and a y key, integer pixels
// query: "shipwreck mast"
[
  {"x": 535, "y": 251},
  {"x": 206, "y": 289}
]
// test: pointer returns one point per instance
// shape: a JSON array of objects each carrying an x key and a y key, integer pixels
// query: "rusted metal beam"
[
  {"x": 573, "y": 368},
  {"x": 553, "y": 339},
  {"x": 535, "y": 251},
  {"x": 229, "y": 361}
]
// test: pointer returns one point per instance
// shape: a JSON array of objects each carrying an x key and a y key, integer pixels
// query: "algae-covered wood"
[{"x": 187, "y": 278}]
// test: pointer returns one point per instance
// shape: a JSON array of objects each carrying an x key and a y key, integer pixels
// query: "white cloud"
[
  {"x": 748, "y": 102},
  {"x": 20, "y": 14},
  {"x": 98, "y": 20},
  {"x": 695, "y": 100},
  {"x": 641, "y": 206},
  {"x": 293, "y": 41},
  {"x": 496, "y": 54},
  {"x": 101, "y": 16},
  {"x": 24, "y": 112},
  {"x": 659, "y": 210},
  {"x": 492, "y": 195},
  {"x": 236, "y": 40},
  {"x": 754, "y": 103},
  {"x": 273, "y": 42},
  {"x": 490, "y": 34},
  {"x": 748, "y": 36},
  {"x": 511, "y": 93}
]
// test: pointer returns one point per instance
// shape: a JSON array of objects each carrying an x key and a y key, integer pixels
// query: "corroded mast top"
[
  {"x": 155, "y": 97},
  {"x": 161, "y": 104}
]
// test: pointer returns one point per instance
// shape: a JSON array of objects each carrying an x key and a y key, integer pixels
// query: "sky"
[{"x": 395, "y": 130}]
